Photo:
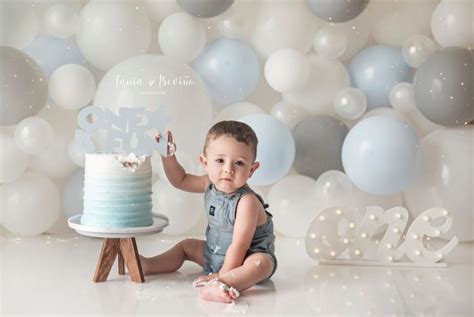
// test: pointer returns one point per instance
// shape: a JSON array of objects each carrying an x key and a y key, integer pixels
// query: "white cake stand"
[{"x": 119, "y": 242}]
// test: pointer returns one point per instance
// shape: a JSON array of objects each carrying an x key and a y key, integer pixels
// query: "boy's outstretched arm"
[
  {"x": 244, "y": 229},
  {"x": 176, "y": 173}
]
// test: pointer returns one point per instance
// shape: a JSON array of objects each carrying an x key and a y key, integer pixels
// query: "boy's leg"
[
  {"x": 172, "y": 260},
  {"x": 255, "y": 268}
]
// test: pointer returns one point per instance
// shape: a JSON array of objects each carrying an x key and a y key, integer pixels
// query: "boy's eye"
[
  {"x": 219, "y": 160},
  {"x": 239, "y": 163}
]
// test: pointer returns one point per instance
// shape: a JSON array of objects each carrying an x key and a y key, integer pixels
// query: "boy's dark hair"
[{"x": 235, "y": 129}]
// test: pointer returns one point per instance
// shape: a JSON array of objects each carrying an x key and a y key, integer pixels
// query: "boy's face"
[{"x": 229, "y": 163}]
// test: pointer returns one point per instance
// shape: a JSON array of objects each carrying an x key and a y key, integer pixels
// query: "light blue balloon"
[
  {"x": 381, "y": 155},
  {"x": 275, "y": 151},
  {"x": 51, "y": 53},
  {"x": 375, "y": 70},
  {"x": 230, "y": 70}
]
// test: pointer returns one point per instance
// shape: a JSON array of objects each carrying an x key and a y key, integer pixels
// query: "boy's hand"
[{"x": 171, "y": 148}]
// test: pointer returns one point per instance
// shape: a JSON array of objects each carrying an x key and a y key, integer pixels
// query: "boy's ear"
[
  {"x": 254, "y": 167},
  {"x": 203, "y": 160}
]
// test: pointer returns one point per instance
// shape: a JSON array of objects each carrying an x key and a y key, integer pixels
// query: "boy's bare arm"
[
  {"x": 244, "y": 229},
  {"x": 179, "y": 179},
  {"x": 176, "y": 173}
]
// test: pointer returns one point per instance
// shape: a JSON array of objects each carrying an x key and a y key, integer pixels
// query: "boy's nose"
[{"x": 229, "y": 171}]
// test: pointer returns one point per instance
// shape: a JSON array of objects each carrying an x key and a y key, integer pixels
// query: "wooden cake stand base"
[{"x": 125, "y": 249}]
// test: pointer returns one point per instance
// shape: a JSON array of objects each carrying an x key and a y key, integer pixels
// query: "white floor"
[{"x": 52, "y": 275}]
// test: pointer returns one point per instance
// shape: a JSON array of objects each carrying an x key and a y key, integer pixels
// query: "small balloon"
[
  {"x": 72, "y": 86},
  {"x": 402, "y": 97},
  {"x": 416, "y": 50},
  {"x": 61, "y": 20},
  {"x": 334, "y": 189},
  {"x": 205, "y": 8},
  {"x": 34, "y": 135},
  {"x": 289, "y": 114},
  {"x": 287, "y": 70},
  {"x": 350, "y": 103},
  {"x": 337, "y": 11},
  {"x": 330, "y": 42}
]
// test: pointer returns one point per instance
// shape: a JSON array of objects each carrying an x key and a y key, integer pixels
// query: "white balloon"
[
  {"x": 13, "y": 161},
  {"x": 79, "y": 158},
  {"x": 283, "y": 24},
  {"x": 54, "y": 162},
  {"x": 293, "y": 203},
  {"x": 394, "y": 22},
  {"x": 446, "y": 179},
  {"x": 452, "y": 23},
  {"x": 34, "y": 135},
  {"x": 31, "y": 204},
  {"x": 350, "y": 103},
  {"x": 112, "y": 31},
  {"x": 73, "y": 193},
  {"x": 174, "y": 86},
  {"x": 18, "y": 24},
  {"x": 330, "y": 42},
  {"x": 416, "y": 49},
  {"x": 287, "y": 70},
  {"x": 327, "y": 78},
  {"x": 402, "y": 97},
  {"x": 237, "y": 110},
  {"x": 61, "y": 20},
  {"x": 182, "y": 208},
  {"x": 289, "y": 114},
  {"x": 72, "y": 86},
  {"x": 159, "y": 10},
  {"x": 334, "y": 189},
  {"x": 182, "y": 36}
]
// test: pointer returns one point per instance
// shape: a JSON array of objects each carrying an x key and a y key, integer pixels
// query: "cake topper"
[{"x": 131, "y": 130}]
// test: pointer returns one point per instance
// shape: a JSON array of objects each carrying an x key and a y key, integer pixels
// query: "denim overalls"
[{"x": 220, "y": 210}]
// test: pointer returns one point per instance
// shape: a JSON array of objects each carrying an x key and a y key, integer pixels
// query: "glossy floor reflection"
[{"x": 52, "y": 275}]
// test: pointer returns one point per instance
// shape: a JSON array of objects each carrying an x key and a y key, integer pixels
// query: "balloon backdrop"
[
  {"x": 61, "y": 20},
  {"x": 350, "y": 103},
  {"x": 402, "y": 97},
  {"x": 34, "y": 135},
  {"x": 13, "y": 161},
  {"x": 24, "y": 86},
  {"x": 287, "y": 113},
  {"x": 381, "y": 155},
  {"x": 230, "y": 70},
  {"x": 287, "y": 70},
  {"x": 31, "y": 204},
  {"x": 338, "y": 11},
  {"x": 446, "y": 178},
  {"x": 110, "y": 32},
  {"x": 205, "y": 8},
  {"x": 334, "y": 188},
  {"x": 330, "y": 42},
  {"x": 18, "y": 25},
  {"x": 375, "y": 70},
  {"x": 416, "y": 49},
  {"x": 275, "y": 151},
  {"x": 444, "y": 87},
  {"x": 318, "y": 141}
]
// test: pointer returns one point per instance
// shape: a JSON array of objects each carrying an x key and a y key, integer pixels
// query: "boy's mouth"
[{"x": 226, "y": 179}]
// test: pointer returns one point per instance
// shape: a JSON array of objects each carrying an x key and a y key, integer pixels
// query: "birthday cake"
[{"x": 117, "y": 191}]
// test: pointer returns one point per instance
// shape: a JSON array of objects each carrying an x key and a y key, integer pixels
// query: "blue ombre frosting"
[{"x": 117, "y": 191}]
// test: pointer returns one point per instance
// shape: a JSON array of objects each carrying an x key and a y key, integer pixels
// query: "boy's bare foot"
[
  {"x": 145, "y": 265},
  {"x": 212, "y": 292}
]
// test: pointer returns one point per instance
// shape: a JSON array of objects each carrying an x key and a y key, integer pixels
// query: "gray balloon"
[
  {"x": 318, "y": 141},
  {"x": 337, "y": 11},
  {"x": 205, "y": 8},
  {"x": 24, "y": 88},
  {"x": 444, "y": 87}
]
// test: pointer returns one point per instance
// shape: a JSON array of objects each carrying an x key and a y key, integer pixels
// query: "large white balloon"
[
  {"x": 72, "y": 86},
  {"x": 112, "y": 31},
  {"x": 446, "y": 179},
  {"x": 287, "y": 70},
  {"x": 182, "y": 36},
  {"x": 327, "y": 78},
  {"x": 13, "y": 161},
  {"x": 182, "y": 208},
  {"x": 18, "y": 24},
  {"x": 161, "y": 82},
  {"x": 34, "y": 135},
  {"x": 61, "y": 20},
  {"x": 293, "y": 203},
  {"x": 31, "y": 204},
  {"x": 237, "y": 110},
  {"x": 283, "y": 24},
  {"x": 452, "y": 23},
  {"x": 55, "y": 161}
]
